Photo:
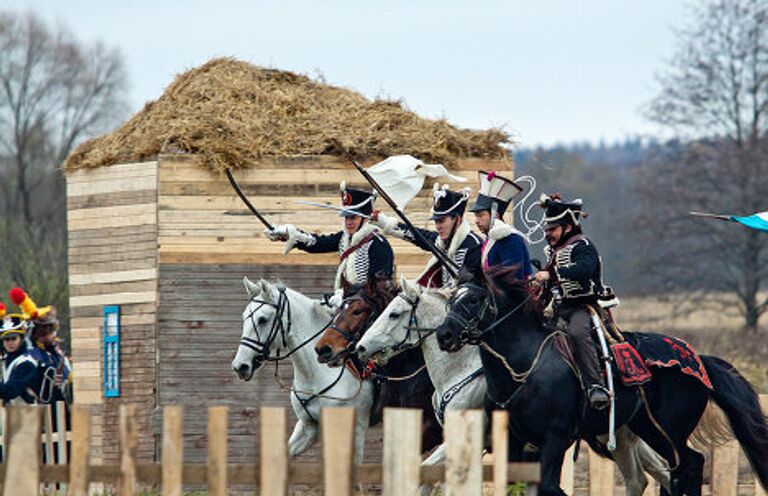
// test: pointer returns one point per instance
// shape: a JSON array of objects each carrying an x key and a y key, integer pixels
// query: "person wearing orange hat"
[{"x": 45, "y": 348}]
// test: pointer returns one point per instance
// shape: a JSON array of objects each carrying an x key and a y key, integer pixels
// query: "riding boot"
[{"x": 587, "y": 358}]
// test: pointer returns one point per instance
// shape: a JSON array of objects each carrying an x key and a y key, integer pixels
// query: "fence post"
[
  {"x": 338, "y": 431},
  {"x": 402, "y": 452},
  {"x": 173, "y": 450},
  {"x": 22, "y": 471},
  {"x": 129, "y": 436},
  {"x": 567, "y": 475},
  {"x": 725, "y": 469},
  {"x": 500, "y": 434},
  {"x": 217, "y": 450},
  {"x": 273, "y": 452},
  {"x": 464, "y": 446},
  {"x": 81, "y": 450},
  {"x": 61, "y": 431},
  {"x": 48, "y": 433},
  {"x": 600, "y": 475}
]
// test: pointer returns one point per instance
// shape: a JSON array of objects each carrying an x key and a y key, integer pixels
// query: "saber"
[
  {"x": 248, "y": 204},
  {"x": 606, "y": 358},
  {"x": 332, "y": 207},
  {"x": 449, "y": 264}
]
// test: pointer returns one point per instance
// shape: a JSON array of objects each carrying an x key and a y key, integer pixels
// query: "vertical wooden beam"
[
  {"x": 81, "y": 450},
  {"x": 129, "y": 436},
  {"x": 273, "y": 453},
  {"x": 402, "y": 452},
  {"x": 48, "y": 433},
  {"x": 22, "y": 465},
  {"x": 567, "y": 475},
  {"x": 652, "y": 489},
  {"x": 500, "y": 435},
  {"x": 217, "y": 450},
  {"x": 173, "y": 450},
  {"x": 338, "y": 431},
  {"x": 61, "y": 432},
  {"x": 725, "y": 469},
  {"x": 464, "y": 446},
  {"x": 600, "y": 475}
]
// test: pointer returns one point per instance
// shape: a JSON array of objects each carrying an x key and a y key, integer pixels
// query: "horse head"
[
  {"x": 391, "y": 331},
  {"x": 474, "y": 309},
  {"x": 262, "y": 325},
  {"x": 360, "y": 307}
]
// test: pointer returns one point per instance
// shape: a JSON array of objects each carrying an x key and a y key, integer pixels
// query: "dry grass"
[{"x": 231, "y": 113}]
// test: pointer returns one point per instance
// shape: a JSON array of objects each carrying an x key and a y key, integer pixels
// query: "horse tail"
[
  {"x": 741, "y": 404},
  {"x": 712, "y": 429}
]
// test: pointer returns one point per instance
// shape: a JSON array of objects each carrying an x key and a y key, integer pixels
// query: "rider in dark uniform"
[
  {"x": 21, "y": 378},
  {"x": 452, "y": 236},
  {"x": 573, "y": 275},
  {"x": 503, "y": 245},
  {"x": 363, "y": 251}
]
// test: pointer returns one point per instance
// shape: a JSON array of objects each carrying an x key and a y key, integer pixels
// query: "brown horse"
[{"x": 361, "y": 306}]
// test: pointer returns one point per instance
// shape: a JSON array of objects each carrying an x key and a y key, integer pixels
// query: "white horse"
[
  {"x": 278, "y": 323},
  {"x": 426, "y": 309}
]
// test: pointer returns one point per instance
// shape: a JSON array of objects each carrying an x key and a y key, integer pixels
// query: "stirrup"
[{"x": 599, "y": 397}]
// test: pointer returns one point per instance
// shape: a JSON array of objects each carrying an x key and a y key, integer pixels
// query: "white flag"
[{"x": 402, "y": 176}]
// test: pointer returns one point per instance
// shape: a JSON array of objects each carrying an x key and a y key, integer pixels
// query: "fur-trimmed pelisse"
[{"x": 232, "y": 113}]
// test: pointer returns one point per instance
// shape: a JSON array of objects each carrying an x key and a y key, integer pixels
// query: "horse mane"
[{"x": 503, "y": 281}]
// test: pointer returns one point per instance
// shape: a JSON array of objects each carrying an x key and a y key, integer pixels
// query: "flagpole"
[{"x": 449, "y": 264}]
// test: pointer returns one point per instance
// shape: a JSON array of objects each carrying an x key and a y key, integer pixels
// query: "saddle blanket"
[{"x": 640, "y": 351}]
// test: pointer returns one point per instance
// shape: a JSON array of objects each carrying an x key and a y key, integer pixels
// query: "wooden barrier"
[{"x": 399, "y": 473}]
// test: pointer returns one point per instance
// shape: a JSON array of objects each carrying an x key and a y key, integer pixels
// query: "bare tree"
[
  {"x": 54, "y": 93},
  {"x": 714, "y": 95}
]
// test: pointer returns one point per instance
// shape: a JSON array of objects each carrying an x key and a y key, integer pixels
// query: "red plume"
[
  {"x": 490, "y": 175},
  {"x": 17, "y": 295}
]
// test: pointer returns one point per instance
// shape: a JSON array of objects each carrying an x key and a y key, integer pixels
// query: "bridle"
[
  {"x": 471, "y": 332},
  {"x": 353, "y": 337},
  {"x": 281, "y": 326}
]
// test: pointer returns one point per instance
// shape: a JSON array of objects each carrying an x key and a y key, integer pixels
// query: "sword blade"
[
  {"x": 331, "y": 207},
  {"x": 247, "y": 202}
]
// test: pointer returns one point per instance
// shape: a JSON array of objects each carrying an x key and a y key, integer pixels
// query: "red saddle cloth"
[
  {"x": 631, "y": 367},
  {"x": 640, "y": 351}
]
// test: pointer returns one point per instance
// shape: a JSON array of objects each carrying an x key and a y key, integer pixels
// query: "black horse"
[{"x": 528, "y": 376}]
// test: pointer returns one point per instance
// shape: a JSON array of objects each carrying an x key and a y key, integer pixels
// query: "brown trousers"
[{"x": 580, "y": 334}]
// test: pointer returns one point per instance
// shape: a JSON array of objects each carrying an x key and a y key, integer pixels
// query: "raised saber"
[
  {"x": 247, "y": 202},
  {"x": 332, "y": 207},
  {"x": 449, "y": 264}
]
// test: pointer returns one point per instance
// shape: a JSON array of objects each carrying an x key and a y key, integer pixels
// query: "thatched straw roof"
[{"x": 231, "y": 113}]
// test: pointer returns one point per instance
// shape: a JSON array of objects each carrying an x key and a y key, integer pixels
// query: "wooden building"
[{"x": 164, "y": 243}]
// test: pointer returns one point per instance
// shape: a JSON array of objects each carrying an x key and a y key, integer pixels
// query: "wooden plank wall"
[
  {"x": 112, "y": 224},
  {"x": 196, "y": 225},
  {"x": 199, "y": 326}
]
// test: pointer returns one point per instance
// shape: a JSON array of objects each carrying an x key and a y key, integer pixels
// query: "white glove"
[
  {"x": 337, "y": 299},
  {"x": 278, "y": 233},
  {"x": 387, "y": 224}
]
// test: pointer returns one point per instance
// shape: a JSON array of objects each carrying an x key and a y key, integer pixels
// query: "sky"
[{"x": 548, "y": 71}]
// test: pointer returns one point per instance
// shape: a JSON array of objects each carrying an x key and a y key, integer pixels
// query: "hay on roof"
[{"x": 232, "y": 113}]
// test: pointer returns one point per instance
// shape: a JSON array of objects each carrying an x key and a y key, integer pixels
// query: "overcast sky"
[{"x": 549, "y": 71}]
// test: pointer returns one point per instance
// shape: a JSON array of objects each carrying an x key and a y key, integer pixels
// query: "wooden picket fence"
[
  {"x": 55, "y": 433},
  {"x": 27, "y": 468},
  {"x": 399, "y": 473}
]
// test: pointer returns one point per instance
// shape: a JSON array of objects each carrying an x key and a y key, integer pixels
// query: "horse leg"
[
  {"x": 361, "y": 427},
  {"x": 302, "y": 438},
  {"x": 654, "y": 464},
  {"x": 552, "y": 455}
]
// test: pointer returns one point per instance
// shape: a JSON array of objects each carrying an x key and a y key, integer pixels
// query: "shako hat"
[
  {"x": 447, "y": 203},
  {"x": 11, "y": 323},
  {"x": 495, "y": 189},
  {"x": 559, "y": 212},
  {"x": 356, "y": 201}
]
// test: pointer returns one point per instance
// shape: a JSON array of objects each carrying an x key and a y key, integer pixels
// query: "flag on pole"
[
  {"x": 757, "y": 221},
  {"x": 402, "y": 176}
]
